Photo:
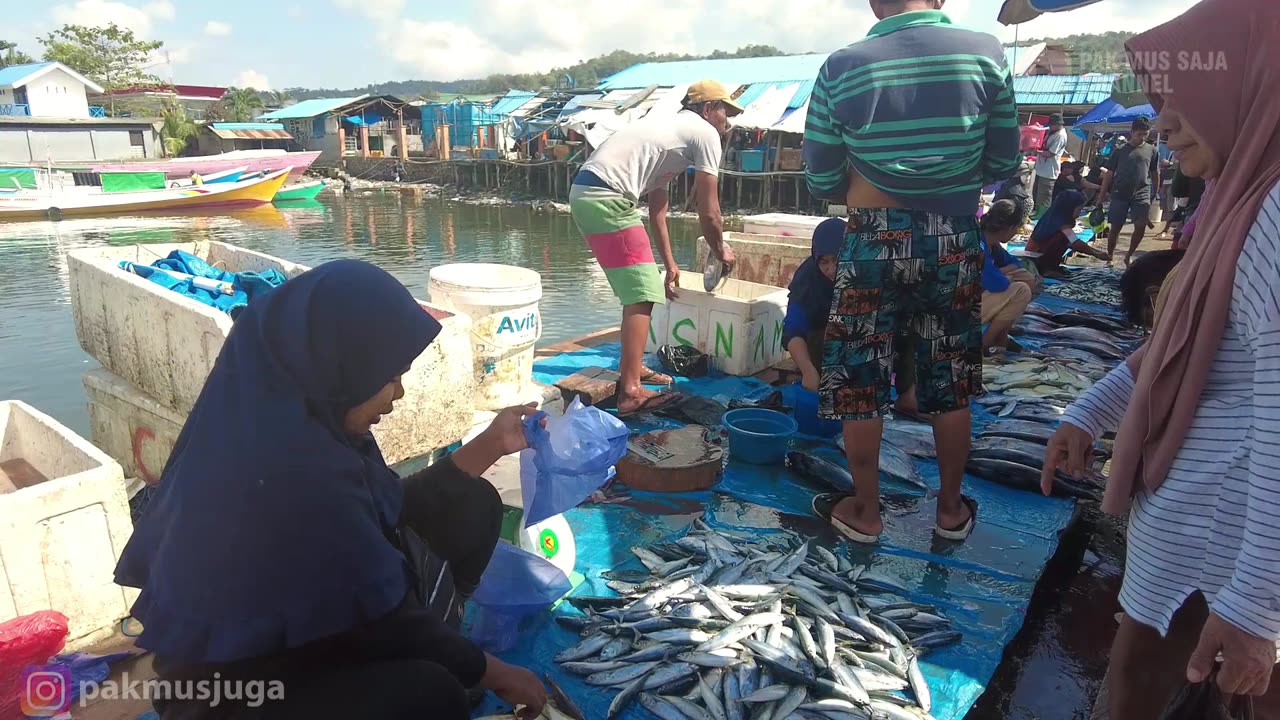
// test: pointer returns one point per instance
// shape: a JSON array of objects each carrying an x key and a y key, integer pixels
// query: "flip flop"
[
  {"x": 652, "y": 403},
  {"x": 825, "y": 504},
  {"x": 960, "y": 533},
  {"x": 649, "y": 376}
]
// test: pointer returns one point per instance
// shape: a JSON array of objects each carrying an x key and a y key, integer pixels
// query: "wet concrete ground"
[{"x": 1053, "y": 668}]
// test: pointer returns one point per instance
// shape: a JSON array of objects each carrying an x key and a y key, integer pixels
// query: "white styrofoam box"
[
  {"x": 739, "y": 326},
  {"x": 129, "y": 425},
  {"x": 786, "y": 224},
  {"x": 165, "y": 344},
  {"x": 60, "y": 538},
  {"x": 764, "y": 259}
]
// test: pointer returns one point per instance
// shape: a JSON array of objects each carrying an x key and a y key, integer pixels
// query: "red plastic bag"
[{"x": 26, "y": 641}]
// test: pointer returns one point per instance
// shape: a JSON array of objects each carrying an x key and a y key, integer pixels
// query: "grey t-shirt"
[
  {"x": 648, "y": 154},
  {"x": 1051, "y": 166},
  {"x": 1134, "y": 167}
]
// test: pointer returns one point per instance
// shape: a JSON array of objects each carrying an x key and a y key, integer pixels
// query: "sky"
[{"x": 274, "y": 44}]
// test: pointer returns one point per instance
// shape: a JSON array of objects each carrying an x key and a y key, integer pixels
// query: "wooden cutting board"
[{"x": 682, "y": 459}]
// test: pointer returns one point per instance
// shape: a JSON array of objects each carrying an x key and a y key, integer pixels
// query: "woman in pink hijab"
[{"x": 1197, "y": 409}]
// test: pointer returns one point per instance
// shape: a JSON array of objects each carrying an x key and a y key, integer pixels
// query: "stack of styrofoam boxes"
[
  {"x": 739, "y": 325},
  {"x": 62, "y": 528},
  {"x": 157, "y": 347}
]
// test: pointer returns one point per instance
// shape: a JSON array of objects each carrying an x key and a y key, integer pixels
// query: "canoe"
[
  {"x": 254, "y": 160},
  {"x": 42, "y": 205},
  {"x": 300, "y": 191}
]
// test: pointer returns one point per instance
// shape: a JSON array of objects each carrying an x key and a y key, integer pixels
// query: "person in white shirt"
[
  {"x": 1049, "y": 161},
  {"x": 641, "y": 160}
]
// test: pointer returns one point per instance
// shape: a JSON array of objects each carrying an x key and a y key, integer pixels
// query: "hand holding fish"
[
  {"x": 1070, "y": 450},
  {"x": 516, "y": 685}
]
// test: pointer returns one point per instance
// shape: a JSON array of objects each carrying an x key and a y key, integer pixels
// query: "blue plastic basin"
[
  {"x": 759, "y": 437},
  {"x": 807, "y": 415}
]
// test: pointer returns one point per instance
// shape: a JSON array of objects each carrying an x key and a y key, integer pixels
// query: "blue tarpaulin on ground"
[{"x": 984, "y": 584}]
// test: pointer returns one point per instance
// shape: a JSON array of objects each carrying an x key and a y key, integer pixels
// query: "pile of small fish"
[
  {"x": 1078, "y": 335},
  {"x": 1100, "y": 286},
  {"x": 725, "y": 627},
  {"x": 1034, "y": 377}
]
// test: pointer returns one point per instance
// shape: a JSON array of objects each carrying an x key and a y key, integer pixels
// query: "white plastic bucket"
[{"x": 502, "y": 301}]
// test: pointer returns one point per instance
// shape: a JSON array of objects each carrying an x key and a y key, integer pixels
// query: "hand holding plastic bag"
[
  {"x": 1204, "y": 701},
  {"x": 569, "y": 459}
]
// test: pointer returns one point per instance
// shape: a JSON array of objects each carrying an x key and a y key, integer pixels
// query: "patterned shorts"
[{"x": 906, "y": 278}]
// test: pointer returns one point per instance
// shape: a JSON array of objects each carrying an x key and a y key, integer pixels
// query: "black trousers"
[{"x": 448, "y": 530}]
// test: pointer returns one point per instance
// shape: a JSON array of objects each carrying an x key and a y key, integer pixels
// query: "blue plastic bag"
[
  {"x": 515, "y": 585},
  {"x": 568, "y": 459}
]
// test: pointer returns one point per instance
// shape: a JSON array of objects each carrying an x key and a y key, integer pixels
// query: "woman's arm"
[
  {"x": 1101, "y": 408},
  {"x": 799, "y": 350}
]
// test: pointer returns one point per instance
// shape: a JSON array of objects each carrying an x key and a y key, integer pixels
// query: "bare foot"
[
  {"x": 649, "y": 376},
  {"x": 858, "y": 515},
  {"x": 642, "y": 400},
  {"x": 953, "y": 516}
]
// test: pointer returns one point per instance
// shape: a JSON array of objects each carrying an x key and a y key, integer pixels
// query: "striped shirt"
[
  {"x": 1213, "y": 525},
  {"x": 922, "y": 109}
]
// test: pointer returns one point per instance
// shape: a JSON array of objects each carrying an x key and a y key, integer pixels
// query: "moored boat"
[
  {"x": 253, "y": 160},
  {"x": 37, "y": 205},
  {"x": 300, "y": 191}
]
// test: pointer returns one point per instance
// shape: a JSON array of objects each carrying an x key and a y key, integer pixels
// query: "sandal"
[
  {"x": 649, "y": 376},
  {"x": 652, "y": 403},
  {"x": 825, "y": 504},
  {"x": 966, "y": 528}
]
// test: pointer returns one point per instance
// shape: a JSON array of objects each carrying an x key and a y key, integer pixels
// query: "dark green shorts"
[{"x": 910, "y": 277}]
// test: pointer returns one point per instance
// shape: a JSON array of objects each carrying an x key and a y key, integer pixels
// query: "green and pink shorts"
[{"x": 615, "y": 232}]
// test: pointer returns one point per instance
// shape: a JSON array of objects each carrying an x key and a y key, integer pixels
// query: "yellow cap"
[{"x": 712, "y": 91}]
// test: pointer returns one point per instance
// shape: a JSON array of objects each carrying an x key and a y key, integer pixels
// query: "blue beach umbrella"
[{"x": 1015, "y": 12}]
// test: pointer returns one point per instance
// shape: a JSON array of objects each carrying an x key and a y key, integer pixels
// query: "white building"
[{"x": 46, "y": 89}]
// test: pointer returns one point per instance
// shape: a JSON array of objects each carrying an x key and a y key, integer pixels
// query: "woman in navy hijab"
[
  {"x": 809, "y": 301},
  {"x": 280, "y": 548}
]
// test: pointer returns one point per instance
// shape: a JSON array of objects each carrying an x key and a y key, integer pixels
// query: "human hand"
[
  {"x": 809, "y": 379},
  {"x": 673, "y": 282},
  {"x": 1247, "y": 660},
  {"x": 1069, "y": 450},
  {"x": 726, "y": 254},
  {"x": 515, "y": 685},
  {"x": 505, "y": 434}
]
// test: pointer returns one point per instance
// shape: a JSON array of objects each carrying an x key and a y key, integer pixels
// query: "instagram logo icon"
[{"x": 45, "y": 691}]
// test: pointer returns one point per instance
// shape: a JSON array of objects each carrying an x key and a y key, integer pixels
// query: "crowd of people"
[{"x": 280, "y": 545}]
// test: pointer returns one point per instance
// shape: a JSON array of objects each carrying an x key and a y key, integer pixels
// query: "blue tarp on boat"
[
  {"x": 984, "y": 585},
  {"x": 245, "y": 285}
]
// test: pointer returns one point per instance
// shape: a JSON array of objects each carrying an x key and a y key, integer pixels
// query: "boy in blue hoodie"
[{"x": 1007, "y": 288}]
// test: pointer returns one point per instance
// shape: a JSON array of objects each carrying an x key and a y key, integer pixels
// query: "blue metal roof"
[
  {"x": 1063, "y": 89},
  {"x": 735, "y": 71},
  {"x": 575, "y": 103},
  {"x": 512, "y": 101},
  {"x": 18, "y": 73},
  {"x": 753, "y": 92},
  {"x": 308, "y": 108},
  {"x": 247, "y": 126}
]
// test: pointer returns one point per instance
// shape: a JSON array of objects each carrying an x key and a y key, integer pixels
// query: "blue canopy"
[
  {"x": 1015, "y": 12},
  {"x": 1110, "y": 112},
  {"x": 365, "y": 119}
]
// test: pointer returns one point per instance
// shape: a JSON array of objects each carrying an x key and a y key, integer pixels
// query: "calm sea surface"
[{"x": 41, "y": 361}]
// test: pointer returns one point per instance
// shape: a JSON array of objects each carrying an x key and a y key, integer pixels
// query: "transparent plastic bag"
[
  {"x": 568, "y": 459},
  {"x": 515, "y": 585}
]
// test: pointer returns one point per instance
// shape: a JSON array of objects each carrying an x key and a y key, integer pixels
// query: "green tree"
[
  {"x": 241, "y": 104},
  {"x": 176, "y": 129},
  {"x": 279, "y": 98},
  {"x": 11, "y": 55},
  {"x": 111, "y": 56}
]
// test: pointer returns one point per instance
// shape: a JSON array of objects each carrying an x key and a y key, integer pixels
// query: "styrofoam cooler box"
[
  {"x": 129, "y": 425},
  {"x": 739, "y": 326},
  {"x": 764, "y": 259},
  {"x": 785, "y": 224},
  {"x": 165, "y": 344},
  {"x": 62, "y": 528}
]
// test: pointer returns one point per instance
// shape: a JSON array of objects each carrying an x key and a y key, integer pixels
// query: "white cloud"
[
  {"x": 506, "y": 38},
  {"x": 217, "y": 28},
  {"x": 252, "y": 79},
  {"x": 99, "y": 13},
  {"x": 295, "y": 12}
]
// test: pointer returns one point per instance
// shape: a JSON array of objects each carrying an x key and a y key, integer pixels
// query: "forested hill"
[{"x": 1092, "y": 53}]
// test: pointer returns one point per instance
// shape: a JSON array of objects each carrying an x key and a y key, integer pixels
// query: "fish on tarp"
[
  {"x": 1104, "y": 351},
  {"x": 1078, "y": 318},
  {"x": 896, "y": 463},
  {"x": 1023, "y": 452},
  {"x": 1085, "y": 334},
  {"x": 820, "y": 471},
  {"x": 1036, "y": 432},
  {"x": 913, "y": 437},
  {"x": 1022, "y": 477}
]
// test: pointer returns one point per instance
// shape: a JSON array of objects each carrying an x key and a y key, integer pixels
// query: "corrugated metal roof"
[
  {"x": 513, "y": 100},
  {"x": 1021, "y": 58},
  {"x": 18, "y": 73},
  {"x": 1063, "y": 89},
  {"x": 575, "y": 103},
  {"x": 736, "y": 71},
  {"x": 309, "y": 108}
]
